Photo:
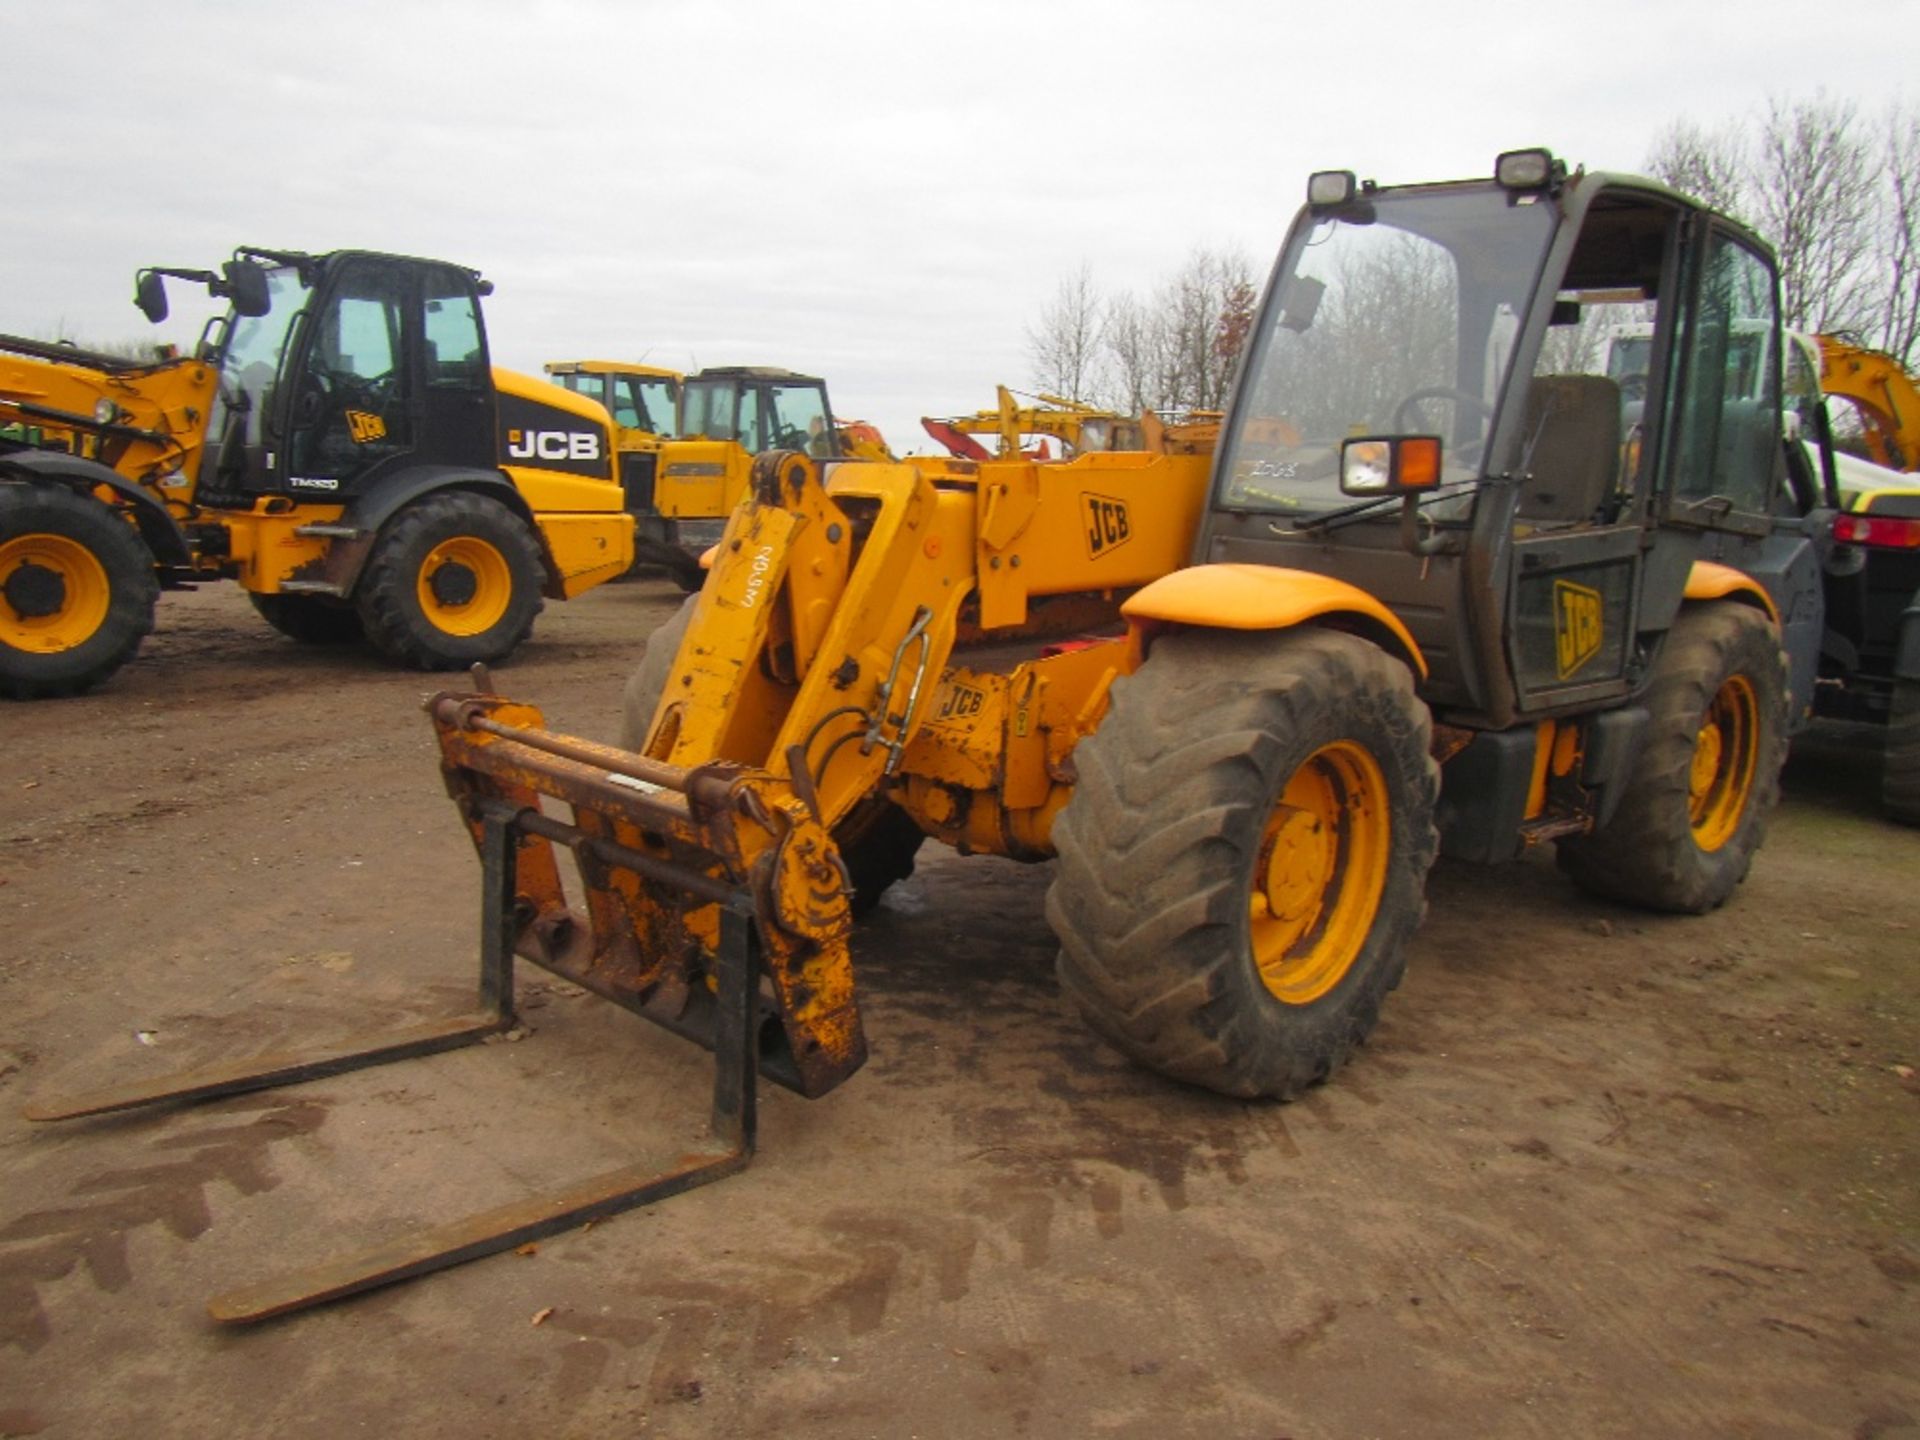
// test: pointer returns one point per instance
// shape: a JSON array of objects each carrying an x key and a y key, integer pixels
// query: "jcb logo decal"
[
  {"x": 1106, "y": 524},
  {"x": 552, "y": 445},
  {"x": 1577, "y": 628},
  {"x": 961, "y": 702},
  {"x": 364, "y": 427}
]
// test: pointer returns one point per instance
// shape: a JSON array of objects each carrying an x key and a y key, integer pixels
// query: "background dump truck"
[
  {"x": 1433, "y": 590},
  {"x": 339, "y": 444}
]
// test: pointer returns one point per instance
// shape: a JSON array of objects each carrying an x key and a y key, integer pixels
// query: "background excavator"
[
  {"x": 1448, "y": 599},
  {"x": 338, "y": 443},
  {"x": 1030, "y": 431}
]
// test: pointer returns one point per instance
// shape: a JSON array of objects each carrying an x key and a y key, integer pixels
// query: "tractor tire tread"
[{"x": 1149, "y": 899}]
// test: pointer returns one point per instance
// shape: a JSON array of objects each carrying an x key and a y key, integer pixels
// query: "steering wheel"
[{"x": 1406, "y": 414}]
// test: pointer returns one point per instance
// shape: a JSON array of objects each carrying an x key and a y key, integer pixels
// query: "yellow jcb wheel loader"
[
  {"x": 1440, "y": 587},
  {"x": 339, "y": 444}
]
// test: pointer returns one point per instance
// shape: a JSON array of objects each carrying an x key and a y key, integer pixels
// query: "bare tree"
[
  {"x": 1839, "y": 198},
  {"x": 1134, "y": 338},
  {"x": 1815, "y": 200},
  {"x": 1899, "y": 331},
  {"x": 1710, "y": 165},
  {"x": 1064, "y": 346}
]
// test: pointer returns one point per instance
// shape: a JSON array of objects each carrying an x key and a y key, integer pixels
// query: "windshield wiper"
[{"x": 1334, "y": 519}]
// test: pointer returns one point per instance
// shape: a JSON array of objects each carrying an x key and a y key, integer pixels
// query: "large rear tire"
[
  {"x": 454, "y": 579},
  {"x": 1245, "y": 856},
  {"x": 77, "y": 592},
  {"x": 310, "y": 619},
  {"x": 649, "y": 679},
  {"x": 1695, "y": 807},
  {"x": 1900, "y": 769},
  {"x": 877, "y": 840}
]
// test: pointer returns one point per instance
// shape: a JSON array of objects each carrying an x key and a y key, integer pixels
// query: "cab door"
[
  {"x": 1729, "y": 478},
  {"x": 353, "y": 390}
]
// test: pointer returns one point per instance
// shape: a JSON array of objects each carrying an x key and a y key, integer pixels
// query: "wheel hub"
[
  {"x": 1707, "y": 749},
  {"x": 453, "y": 583},
  {"x": 1318, "y": 877},
  {"x": 34, "y": 592},
  {"x": 1297, "y": 866}
]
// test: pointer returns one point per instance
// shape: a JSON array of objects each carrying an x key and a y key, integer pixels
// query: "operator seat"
[{"x": 1571, "y": 449}]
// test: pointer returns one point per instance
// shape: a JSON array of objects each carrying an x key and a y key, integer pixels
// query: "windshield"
[
  {"x": 644, "y": 403},
  {"x": 708, "y": 412},
  {"x": 253, "y": 355},
  {"x": 1399, "y": 316}
]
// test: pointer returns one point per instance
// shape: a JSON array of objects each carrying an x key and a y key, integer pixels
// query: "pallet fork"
[{"x": 655, "y": 847}]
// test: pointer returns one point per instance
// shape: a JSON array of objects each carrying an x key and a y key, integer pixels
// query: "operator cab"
[
  {"x": 759, "y": 408},
  {"x": 1436, "y": 406},
  {"x": 358, "y": 364},
  {"x": 638, "y": 397}
]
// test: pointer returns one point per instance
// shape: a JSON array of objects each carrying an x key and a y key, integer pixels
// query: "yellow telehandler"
[
  {"x": 339, "y": 444},
  {"x": 1433, "y": 590}
]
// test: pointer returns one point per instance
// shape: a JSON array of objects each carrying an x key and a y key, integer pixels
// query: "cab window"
[{"x": 1728, "y": 436}]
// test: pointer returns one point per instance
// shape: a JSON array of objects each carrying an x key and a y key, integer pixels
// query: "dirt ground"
[{"x": 1598, "y": 1173}]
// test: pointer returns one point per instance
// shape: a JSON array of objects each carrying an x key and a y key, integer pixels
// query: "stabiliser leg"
[{"x": 732, "y": 1122}]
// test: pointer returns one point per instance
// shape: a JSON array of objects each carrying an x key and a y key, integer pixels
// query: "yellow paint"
[
  {"x": 1258, "y": 597},
  {"x": 1319, "y": 873},
  {"x": 1710, "y": 581},
  {"x": 587, "y": 550},
  {"x": 85, "y": 594},
  {"x": 1725, "y": 749}
]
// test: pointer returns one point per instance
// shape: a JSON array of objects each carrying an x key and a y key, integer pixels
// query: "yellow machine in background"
[
  {"x": 729, "y": 414},
  {"x": 1077, "y": 429},
  {"x": 339, "y": 444},
  {"x": 1885, "y": 396}
]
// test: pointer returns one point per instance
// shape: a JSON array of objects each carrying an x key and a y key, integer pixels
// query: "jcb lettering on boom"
[{"x": 1106, "y": 523}]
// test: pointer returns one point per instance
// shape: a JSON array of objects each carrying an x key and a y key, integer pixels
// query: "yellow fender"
[
  {"x": 1260, "y": 597},
  {"x": 1708, "y": 581}
]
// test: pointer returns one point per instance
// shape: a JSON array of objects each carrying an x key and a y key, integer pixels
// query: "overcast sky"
[{"x": 883, "y": 194}]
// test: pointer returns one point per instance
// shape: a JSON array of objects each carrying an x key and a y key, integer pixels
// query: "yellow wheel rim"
[
  {"x": 464, "y": 586},
  {"x": 1720, "y": 779},
  {"x": 54, "y": 594},
  {"x": 1319, "y": 872}
]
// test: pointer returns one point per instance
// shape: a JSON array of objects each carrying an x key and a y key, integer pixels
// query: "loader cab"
[
  {"x": 360, "y": 364},
  {"x": 759, "y": 408},
  {"x": 1517, "y": 411},
  {"x": 639, "y": 397}
]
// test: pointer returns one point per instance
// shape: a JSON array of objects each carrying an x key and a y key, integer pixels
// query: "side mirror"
[
  {"x": 247, "y": 283},
  {"x": 150, "y": 294},
  {"x": 1389, "y": 465}
]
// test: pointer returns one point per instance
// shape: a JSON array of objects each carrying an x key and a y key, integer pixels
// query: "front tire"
[
  {"x": 1695, "y": 806},
  {"x": 77, "y": 592},
  {"x": 1245, "y": 856},
  {"x": 454, "y": 579}
]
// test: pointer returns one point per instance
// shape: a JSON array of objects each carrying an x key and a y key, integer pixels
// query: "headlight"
[{"x": 105, "y": 412}]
